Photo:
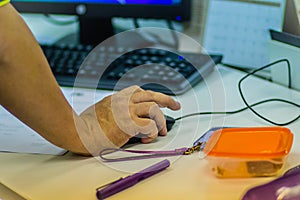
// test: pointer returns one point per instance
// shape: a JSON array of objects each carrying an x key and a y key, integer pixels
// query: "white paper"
[{"x": 15, "y": 136}]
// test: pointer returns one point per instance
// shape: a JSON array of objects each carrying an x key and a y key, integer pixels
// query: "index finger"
[{"x": 157, "y": 97}]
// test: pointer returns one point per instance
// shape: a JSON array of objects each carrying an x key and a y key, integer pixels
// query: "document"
[{"x": 15, "y": 136}]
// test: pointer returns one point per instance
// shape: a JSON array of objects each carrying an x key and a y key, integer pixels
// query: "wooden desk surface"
[{"x": 74, "y": 177}]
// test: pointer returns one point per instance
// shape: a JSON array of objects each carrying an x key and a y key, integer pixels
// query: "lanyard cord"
[
  {"x": 142, "y": 154},
  {"x": 198, "y": 145}
]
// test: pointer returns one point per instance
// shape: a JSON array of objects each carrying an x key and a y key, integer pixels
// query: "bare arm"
[
  {"x": 27, "y": 86},
  {"x": 29, "y": 91}
]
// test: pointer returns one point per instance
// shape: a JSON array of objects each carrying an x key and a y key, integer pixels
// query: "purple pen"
[{"x": 124, "y": 183}]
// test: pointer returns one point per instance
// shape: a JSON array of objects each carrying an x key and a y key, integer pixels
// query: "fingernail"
[
  {"x": 178, "y": 105},
  {"x": 146, "y": 140},
  {"x": 163, "y": 131}
]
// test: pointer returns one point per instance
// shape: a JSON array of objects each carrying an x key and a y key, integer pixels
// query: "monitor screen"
[{"x": 95, "y": 15}]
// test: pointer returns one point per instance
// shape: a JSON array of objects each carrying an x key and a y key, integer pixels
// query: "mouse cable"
[
  {"x": 248, "y": 106},
  {"x": 243, "y": 109}
]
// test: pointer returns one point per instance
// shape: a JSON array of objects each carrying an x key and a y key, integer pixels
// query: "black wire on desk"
[
  {"x": 257, "y": 103},
  {"x": 237, "y": 111},
  {"x": 136, "y": 23},
  {"x": 52, "y": 20},
  {"x": 174, "y": 35},
  {"x": 289, "y": 85},
  {"x": 248, "y": 70},
  {"x": 157, "y": 37}
]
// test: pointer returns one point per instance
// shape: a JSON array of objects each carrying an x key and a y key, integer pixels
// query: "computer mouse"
[{"x": 170, "y": 121}]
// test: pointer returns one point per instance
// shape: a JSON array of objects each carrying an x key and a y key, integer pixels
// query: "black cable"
[
  {"x": 174, "y": 35},
  {"x": 136, "y": 23},
  {"x": 289, "y": 85},
  {"x": 157, "y": 38},
  {"x": 236, "y": 111},
  {"x": 267, "y": 66},
  {"x": 257, "y": 103},
  {"x": 247, "y": 70},
  {"x": 59, "y": 22}
]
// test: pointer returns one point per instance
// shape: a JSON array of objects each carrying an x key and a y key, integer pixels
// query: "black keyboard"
[{"x": 115, "y": 68}]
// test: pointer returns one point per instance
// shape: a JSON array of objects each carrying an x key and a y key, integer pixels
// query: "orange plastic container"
[{"x": 248, "y": 152}]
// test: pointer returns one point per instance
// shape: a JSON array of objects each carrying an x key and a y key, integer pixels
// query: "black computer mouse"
[{"x": 170, "y": 121}]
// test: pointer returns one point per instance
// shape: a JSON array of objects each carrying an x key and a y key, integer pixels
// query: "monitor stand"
[{"x": 95, "y": 30}]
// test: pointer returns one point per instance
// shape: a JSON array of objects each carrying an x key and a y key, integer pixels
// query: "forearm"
[
  {"x": 28, "y": 88},
  {"x": 29, "y": 91}
]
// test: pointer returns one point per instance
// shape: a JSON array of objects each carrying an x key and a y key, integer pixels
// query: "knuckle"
[
  {"x": 150, "y": 93},
  {"x": 154, "y": 107},
  {"x": 136, "y": 88}
]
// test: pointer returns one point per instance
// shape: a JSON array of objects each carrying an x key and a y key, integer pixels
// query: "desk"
[{"x": 74, "y": 177}]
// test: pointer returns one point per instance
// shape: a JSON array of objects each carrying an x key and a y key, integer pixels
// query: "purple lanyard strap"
[
  {"x": 198, "y": 145},
  {"x": 145, "y": 154}
]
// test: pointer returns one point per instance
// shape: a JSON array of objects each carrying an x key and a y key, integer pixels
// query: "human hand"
[{"x": 130, "y": 112}]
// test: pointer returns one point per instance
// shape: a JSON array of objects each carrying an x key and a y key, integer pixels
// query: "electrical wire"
[
  {"x": 250, "y": 107},
  {"x": 237, "y": 111},
  {"x": 289, "y": 86},
  {"x": 158, "y": 38},
  {"x": 174, "y": 35},
  {"x": 55, "y": 21},
  {"x": 136, "y": 23}
]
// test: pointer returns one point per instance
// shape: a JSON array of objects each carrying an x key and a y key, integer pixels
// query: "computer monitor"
[{"x": 95, "y": 16}]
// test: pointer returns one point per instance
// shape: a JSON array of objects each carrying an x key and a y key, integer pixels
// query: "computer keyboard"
[{"x": 115, "y": 68}]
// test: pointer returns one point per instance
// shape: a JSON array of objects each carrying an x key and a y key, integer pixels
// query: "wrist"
[{"x": 91, "y": 134}]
